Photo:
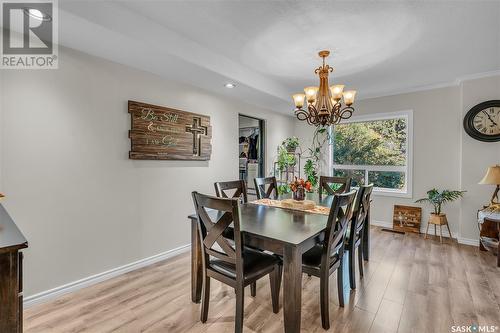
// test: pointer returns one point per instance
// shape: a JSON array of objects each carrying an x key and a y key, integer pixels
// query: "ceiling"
[{"x": 269, "y": 48}]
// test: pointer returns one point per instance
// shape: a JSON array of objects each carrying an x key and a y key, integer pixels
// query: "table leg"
[
  {"x": 196, "y": 265},
  {"x": 292, "y": 288},
  {"x": 366, "y": 237}
]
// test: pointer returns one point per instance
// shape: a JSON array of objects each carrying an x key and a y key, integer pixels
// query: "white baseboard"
[
  {"x": 468, "y": 241},
  {"x": 461, "y": 240},
  {"x": 48, "y": 295},
  {"x": 382, "y": 224}
]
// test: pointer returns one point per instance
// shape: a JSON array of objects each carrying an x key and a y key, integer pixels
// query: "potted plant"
[
  {"x": 298, "y": 187},
  {"x": 291, "y": 144},
  {"x": 311, "y": 173},
  {"x": 437, "y": 200},
  {"x": 285, "y": 159}
]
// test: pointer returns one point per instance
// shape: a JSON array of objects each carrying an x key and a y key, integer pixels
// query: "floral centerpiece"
[{"x": 298, "y": 187}]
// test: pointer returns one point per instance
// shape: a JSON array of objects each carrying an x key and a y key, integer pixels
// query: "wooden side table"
[{"x": 438, "y": 220}]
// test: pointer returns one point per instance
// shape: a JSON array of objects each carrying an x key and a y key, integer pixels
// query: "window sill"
[
  {"x": 386, "y": 192},
  {"x": 391, "y": 193}
]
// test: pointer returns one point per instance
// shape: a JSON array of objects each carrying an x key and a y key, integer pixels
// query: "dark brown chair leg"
[
  {"x": 205, "y": 300},
  {"x": 340, "y": 283},
  {"x": 253, "y": 289},
  {"x": 275, "y": 278},
  {"x": 360, "y": 262},
  {"x": 352, "y": 267},
  {"x": 238, "y": 320},
  {"x": 324, "y": 301}
]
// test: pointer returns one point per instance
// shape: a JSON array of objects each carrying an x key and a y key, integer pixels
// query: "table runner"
[{"x": 277, "y": 203}]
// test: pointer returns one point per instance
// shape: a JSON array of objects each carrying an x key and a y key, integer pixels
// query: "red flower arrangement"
[{"x": 300, "y": 183}]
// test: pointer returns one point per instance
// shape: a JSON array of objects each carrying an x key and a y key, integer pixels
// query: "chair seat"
[
  {"x": 312, "y": 258},
  {"x": 255, "y": 264}
]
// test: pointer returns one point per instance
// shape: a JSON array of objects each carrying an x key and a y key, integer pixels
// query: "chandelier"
[{"x": 324, "y": 105}]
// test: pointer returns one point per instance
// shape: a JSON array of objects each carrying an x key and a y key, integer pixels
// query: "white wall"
[
  {"x": 1, "y": 129},
  {"x": 82, "y": 204},
  {"x": 444, "y": 156},
  {"x": 476, "y": 156}
]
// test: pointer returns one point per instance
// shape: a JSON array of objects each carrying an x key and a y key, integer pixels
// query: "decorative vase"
[{"x": 299, "y": 194}]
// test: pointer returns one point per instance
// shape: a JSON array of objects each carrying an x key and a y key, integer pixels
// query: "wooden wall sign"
[
  {"x": 407, "y": 218},
  {"x": 161, "y": 133}
]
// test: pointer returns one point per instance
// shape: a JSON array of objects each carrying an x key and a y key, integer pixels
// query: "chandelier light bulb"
[
  {"x": 298, "y": 100},
  {"x": 311, "y": 93},
  {"x": 336, "y": 91},
  {"x": 349, "y": 97}
]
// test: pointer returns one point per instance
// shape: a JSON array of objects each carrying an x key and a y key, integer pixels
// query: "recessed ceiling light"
[
  {"x": 37, "y": 14},
  {"x": 230, "y": 85}
]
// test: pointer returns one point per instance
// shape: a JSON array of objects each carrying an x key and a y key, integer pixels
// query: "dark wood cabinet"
[
  {"x": 12, "y": 242},
  {"x": 489, "y": 237}
]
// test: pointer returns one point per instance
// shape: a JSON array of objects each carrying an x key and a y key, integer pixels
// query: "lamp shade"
[
  {"x": 311, "y": 93},
  {"x": 492, "y": 176},
  {"x": 298, "y": 99}
]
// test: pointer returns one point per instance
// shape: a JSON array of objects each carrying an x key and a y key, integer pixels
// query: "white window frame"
[{"x": 407, "y": 191}]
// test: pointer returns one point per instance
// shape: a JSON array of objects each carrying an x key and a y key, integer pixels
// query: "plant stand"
[
  {"x": 288, "y": 175},
  {"x": 438, "y": 220}
]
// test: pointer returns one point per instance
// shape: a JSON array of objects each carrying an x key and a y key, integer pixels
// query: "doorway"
[{"x": 251, "y": 149}]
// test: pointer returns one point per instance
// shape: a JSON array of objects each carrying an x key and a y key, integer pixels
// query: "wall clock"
[{"x": 482, "y": 122}]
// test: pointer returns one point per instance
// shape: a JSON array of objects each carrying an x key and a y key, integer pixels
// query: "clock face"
[
  {"x": 487, "y": 121},
  {"x": 482, "y": 122}
]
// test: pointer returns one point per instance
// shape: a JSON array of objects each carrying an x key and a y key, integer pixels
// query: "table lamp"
[{"x": 492, "y": 177}]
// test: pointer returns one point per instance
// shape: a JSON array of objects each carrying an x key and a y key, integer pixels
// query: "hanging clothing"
[{"x": 253, "y": 141}]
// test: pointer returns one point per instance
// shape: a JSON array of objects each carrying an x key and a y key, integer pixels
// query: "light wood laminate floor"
[{"x": 410, "y": 285}]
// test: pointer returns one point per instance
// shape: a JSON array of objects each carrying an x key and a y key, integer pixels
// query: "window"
[{"x": 375, "y": 149}]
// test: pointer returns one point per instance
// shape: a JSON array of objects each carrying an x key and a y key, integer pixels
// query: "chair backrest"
[
  {"x": 260, "y": 187},
  {"x": 336, "y": 228},
  {"x": 212, "y": 227},
  {"x": 361, "y": 208},
  {"x": 325, "y": 184},
  {"x": 222, "y": 189}
]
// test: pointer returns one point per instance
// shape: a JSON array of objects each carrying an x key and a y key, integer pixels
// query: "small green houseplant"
[
  {"x": 285, "y": 159},
  {"x": 438, "y": 199},
  {"x": 291, "y": 144}
]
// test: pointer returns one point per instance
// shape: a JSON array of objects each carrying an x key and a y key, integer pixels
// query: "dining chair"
[
  {"x": 355, "y": 234},
  {"x": 325, "y": 183},
  {"x": 222, "y": 189},
  {"x": 327, "y": 257},
  {"x": 230, "y": 262},
  {"x": 260, "y": 187}
]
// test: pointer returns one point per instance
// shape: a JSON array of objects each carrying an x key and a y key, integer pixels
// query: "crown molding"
[
  {"x": 476, "y": 76},
  {"x": 458, "y": 81}
]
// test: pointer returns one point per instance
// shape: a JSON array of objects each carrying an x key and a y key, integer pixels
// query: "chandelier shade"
[{"x": 324, "y": 103}]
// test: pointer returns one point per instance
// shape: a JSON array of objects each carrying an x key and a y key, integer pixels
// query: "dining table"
[{"x": 283, "y": 231}]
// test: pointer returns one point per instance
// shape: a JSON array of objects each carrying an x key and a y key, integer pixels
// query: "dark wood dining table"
[{"x": 286, "y": 232}]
